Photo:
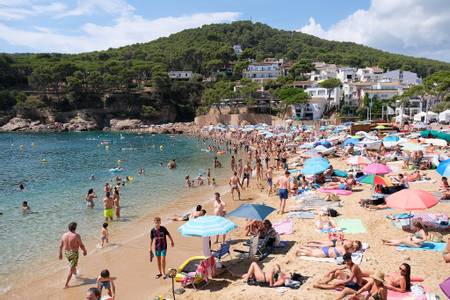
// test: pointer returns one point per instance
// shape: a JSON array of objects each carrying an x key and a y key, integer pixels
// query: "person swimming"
[{"x": 25, "y": 208}]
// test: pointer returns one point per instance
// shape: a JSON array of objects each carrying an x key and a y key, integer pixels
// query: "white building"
[
  {"x": 412, "y": 108},
  {"x": 313, "y": 110},
  {"x": 237, "y": 49},
  {"x": 404, "y": 77},
  {"x": 369, "y": 74},
  {"x": 318, "y": 92},
  {"x": 346, "y": 74},
  {"x": 180, "y": 74},
  {"x": 261, "y": 72}
]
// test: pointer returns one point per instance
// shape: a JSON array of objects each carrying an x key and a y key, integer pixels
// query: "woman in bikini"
[
  {"x": 90, "y": 198},
  {"x": 324, "y": 251},
  {"x": 414, "y": 240},
  {"x": 274, "y": 278},
  {"x": 400, "y": 282},
  {"x": 343, "y": 184}
]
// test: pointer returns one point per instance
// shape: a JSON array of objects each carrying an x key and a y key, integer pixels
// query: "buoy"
[
  {"x": 107, "y": 147},
  {"x": 44, "y": 160},
  {"x": 161, "y": 147}
]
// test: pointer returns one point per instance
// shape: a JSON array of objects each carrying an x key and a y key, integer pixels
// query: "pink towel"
[
  {"x": 335, "y": 191},
  {"x": 393, "y": 295},
  {"x": 284, "y": 227}
]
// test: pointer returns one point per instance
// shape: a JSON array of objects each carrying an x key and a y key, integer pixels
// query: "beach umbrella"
[
  {"x": 381, "y": 127},
  {"x": 408, "y": 199},
  {"x": 352, "y": 141},
  {"x": 310, "y": 153},
  {"x": 315, "y": 165},
  {"x": 374, "y": 180},
  {"x": 376, "y": 168},
  {"x": 252, "y": 211},
  {"x": 436, "y": 142},
  {"x": 444, "y": 168},
  {"x": 207, "y": 226},
  {"x": 358, "y": 160},
  {"x": 391, "y": 138}
]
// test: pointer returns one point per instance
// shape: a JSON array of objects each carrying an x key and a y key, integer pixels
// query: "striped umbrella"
[
  {"x": 374, "y": 180},
  {"x": 358, "y": 160},
  {"x": 207, "y": 226}
]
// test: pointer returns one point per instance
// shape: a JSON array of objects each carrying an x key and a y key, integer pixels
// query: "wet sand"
[{"x": 128, "y": 260}]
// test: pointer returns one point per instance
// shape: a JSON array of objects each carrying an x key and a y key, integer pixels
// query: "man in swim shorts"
[
  {"x": 71, "y": 243},
  {"x": 234, "y": 184},
  {"x": 158, "y": 235},
  {"x": 283, "y": 192},
  {"x": 108, "y": 204}
]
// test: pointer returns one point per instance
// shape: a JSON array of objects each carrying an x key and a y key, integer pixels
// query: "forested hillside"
[{"x": 133, "y": 80}]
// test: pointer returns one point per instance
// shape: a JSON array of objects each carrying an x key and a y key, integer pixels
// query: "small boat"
[{"x": 106, "y": 142}]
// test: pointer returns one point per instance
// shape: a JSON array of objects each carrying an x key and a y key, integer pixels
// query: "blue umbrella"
[
  {"x": 391, "y": 138},
  {"x": 444, "y": 168},
  {"x": 207, "y": 226},
  {"x": 351, "y": 141},
  {"x": 252, "y": 211},
  {"x": 315, "y": 165},
  {"x": 325, "y": 143}
]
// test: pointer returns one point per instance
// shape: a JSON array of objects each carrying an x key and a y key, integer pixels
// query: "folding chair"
[
  {"x": 224, "y": 250},
  {"x": 252, "y": 250}
]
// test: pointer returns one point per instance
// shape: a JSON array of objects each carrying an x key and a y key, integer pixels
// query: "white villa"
[
  {"x": 180, "y": 74},
  {"x": 264, "y": 71}
]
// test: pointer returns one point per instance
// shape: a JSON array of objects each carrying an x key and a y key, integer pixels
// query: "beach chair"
[
  {"x": 204, "y": 270},
  {"x": 224, "y": 250}
]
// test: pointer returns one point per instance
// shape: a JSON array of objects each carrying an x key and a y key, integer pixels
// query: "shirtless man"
[
  {"x": 247, "y": 173},
  {"x": 283, "y": 190},
  {"x": 234, "y": 184},
  {"x": 108, "y": 204},
  {"x": 269, "y": 177},
  {"x": 233, "y": 164},
  {"x": 71, "y": 243},
  {"x": 349, "y": 282}
]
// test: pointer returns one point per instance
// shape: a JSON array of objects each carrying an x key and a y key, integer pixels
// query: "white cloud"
[
  {"x": 413, "y": 27},
  {"x": 89, "y": 7},
  {"x": 126, "y": 30}
]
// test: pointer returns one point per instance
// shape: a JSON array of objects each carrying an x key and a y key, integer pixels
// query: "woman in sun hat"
[{"x": 375, "y": 287}]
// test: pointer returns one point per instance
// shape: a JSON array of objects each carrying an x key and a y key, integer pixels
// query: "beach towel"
[
  {"x": 445, "y": 287},
  {"x": 351, "y": 226},
  {"x": 285, "y": 226},
  {"x": 336, "y": 191},
  {"x": 319, "y": 259},
  {"x": 393, "y": 295},
  {"x": 436, "y": 247},
  {"x": 356, "y": 258},
  {"x": 400, "y": 216},
  {"x": 300, "y": 215}
]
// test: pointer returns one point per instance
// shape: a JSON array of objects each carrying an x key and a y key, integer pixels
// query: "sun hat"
[{"x": 379, "y": 276}]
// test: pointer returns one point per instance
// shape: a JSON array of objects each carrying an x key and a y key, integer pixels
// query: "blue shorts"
[
  {"x": 160, "y": 252},
  {"x": 353, "y": 285},
  {"x": 283, "y": 193}
]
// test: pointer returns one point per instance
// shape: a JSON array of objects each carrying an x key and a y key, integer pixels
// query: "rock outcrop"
[
  {"x": 125, "y": 124},
  {"x": 17, "y": 124}
]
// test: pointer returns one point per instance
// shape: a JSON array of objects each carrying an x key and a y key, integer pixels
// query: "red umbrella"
[
  {"x": 376, "y": 168},
  {"x": 411, "y": 200}
]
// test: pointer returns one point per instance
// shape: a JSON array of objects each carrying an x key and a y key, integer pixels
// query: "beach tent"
[
  {"x": 420, "y": 117},
  {"x": 444, "y": 117}
]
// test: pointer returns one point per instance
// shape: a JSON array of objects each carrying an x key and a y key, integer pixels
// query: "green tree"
[
  {"x": 330, "y": 84},
  {"x": 291, "y": 96}
]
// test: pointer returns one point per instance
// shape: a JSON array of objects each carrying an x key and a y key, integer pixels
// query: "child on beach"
[
  {"x": 105, "y": 281},
  {"x": 158, "y": 235},
  {"x": 104, "y": 234}
]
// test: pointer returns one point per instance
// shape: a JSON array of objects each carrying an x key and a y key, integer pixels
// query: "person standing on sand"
[
  {"x": 116, "y": 202},
  {"x": 71, "y": 243},
  {"x": 247, "y": 173},
  {"x": 219, "y": 210},
  {"x": 234, "y": 184},
  {"x": 283, "y": 190},
  {"x": 108, "y": 204},
  {"x": 269, "y": 177},
  {"x": 240, "y": 168},
  {"x": 159, "y": 234},
  {"x": 233, "y": 164}
]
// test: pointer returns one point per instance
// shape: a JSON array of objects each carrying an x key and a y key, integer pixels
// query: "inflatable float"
[
  {"x": 116, "y": 170},
  {"x": 188, "y": 266}
]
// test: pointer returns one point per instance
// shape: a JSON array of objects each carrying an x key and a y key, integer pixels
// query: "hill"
[{"x": 133, "y": 81}]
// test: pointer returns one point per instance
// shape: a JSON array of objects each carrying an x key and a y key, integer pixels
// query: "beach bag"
[{"x": 332, "y": 212}]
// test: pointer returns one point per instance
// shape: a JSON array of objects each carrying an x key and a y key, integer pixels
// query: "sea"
[{"x": 57, "y": 170}]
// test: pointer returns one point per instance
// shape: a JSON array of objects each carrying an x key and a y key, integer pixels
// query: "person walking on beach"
[
  {"x": 233, "y": 164},
  {"x": 104, "y": 235},
  {"x": 283, "y": 190},
  {"x": 234, "y": 184},
  {"x": 71, "y": 243},
  {"x": 269, "y": 177},
  {"x": 240, "y": 168},
  {"x": 247, "y": 174},
  {"x": 159, "y": 235},
  {"x": 219, "y": 210},
  {"x": 108, "y": 204}
]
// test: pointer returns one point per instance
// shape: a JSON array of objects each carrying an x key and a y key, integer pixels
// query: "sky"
[{"x": 413, "y": 27}]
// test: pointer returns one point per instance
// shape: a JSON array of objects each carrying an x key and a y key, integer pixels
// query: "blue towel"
[
  {"x": 436, "y": 247},
  {"x": 400, "y": 216},
  {"x": 301, "y": 214}
]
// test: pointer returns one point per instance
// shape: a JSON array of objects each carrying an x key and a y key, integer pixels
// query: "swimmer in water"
[
  {"x": 25, "y": 208},
  {"x": 141, "y": 171},
  {"x": 92, "y": 177},
  {"x": 21, "y": 187}
]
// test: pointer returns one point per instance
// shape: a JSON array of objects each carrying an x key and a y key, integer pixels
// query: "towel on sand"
[
  {"x": 285, "y": 226},
  {"x": 300, "y": 215},
  {"x": 436, "y": 247},
  {"x": 336, "y": 191},
  {"x": 351, "y": 226}
]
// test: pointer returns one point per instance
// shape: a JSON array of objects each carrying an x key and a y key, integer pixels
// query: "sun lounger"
[
  {"x": 430, "y": 246},
  {"x": 204, "y": 270}
]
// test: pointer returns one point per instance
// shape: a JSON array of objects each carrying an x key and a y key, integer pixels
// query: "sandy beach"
[{"x": 127, "y": 257}]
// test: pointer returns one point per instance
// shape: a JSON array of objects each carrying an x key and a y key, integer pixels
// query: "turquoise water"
[{"x": 55, "y": 189}]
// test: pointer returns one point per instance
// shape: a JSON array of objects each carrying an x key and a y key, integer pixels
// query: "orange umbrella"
[{"x": 411, "y": 200}]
